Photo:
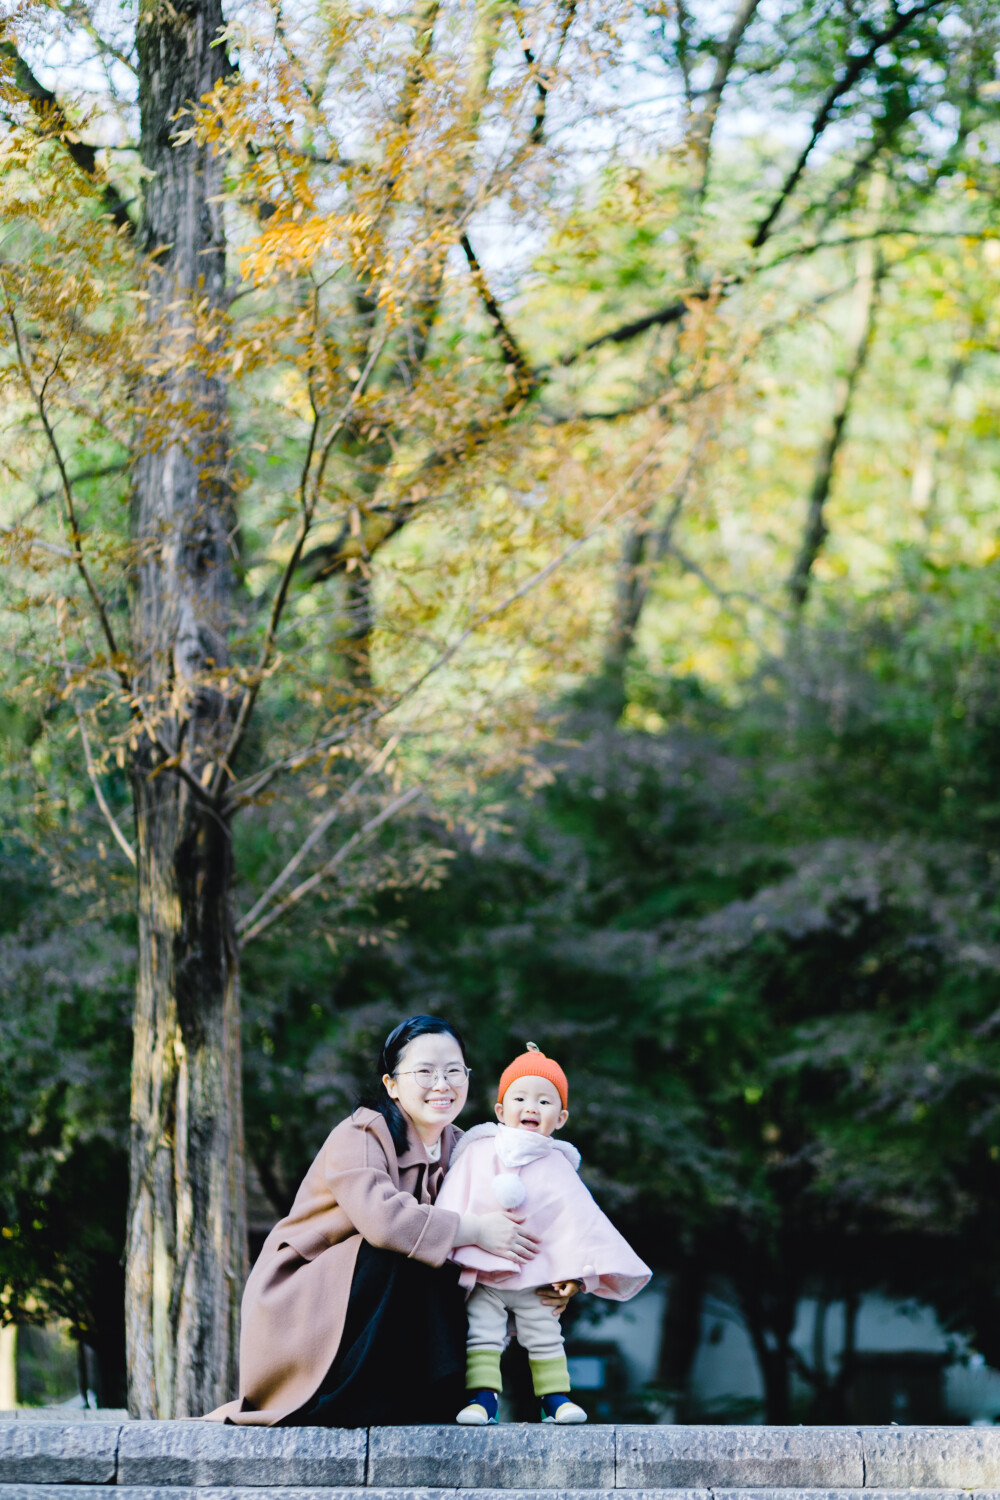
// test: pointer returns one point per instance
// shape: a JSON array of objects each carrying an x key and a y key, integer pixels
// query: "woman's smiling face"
[{"x": 430, "y": 1103}]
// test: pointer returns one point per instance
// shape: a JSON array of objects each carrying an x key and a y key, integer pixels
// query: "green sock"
[
  {"x": 550, "y": 1377},
  {"x": 482, "y": 1370}
]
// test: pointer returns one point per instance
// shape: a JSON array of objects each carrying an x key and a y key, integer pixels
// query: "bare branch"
[
  {"x": 703, "y": 120},
  {"x": 102, "y": 802},
  {"x": 815, "y": 531},
  {"x": 245, "y": 791},
  {"x": 638, "y": 555},
  {"x": 518, "y": 368},
  {"x": 72, "y": 523},
  {"x": 75, "y": 10},
  {"x": 888, "y": 231},
  {"x": 672, "y": 312},
  {"x": 544, "y": 81},
  {"x": 99, "y": 796},
  {"x": 308, "y": 500},
  {"x": 677, "y": 310},
  {"x": 723, "y": 595},
  {"x": 855, "y": 67},
  {"x": 83, "y": 477},
  {"x": 246, "y": 934},
  {"x": 375, "y": 765}
]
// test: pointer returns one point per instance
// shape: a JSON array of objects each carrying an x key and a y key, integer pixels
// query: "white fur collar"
[{"x": 515, "y": 1148}]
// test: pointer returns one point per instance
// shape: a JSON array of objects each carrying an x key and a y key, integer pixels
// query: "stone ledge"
[
  {"x": 516, "y": 1456},
  {"x": 209, "y": 1453},
  {"x": 739, "y": 1457},
  {"x": 63, "y": 1414},
  {"x": 685, "y": 1463},
  {"x": 929, "y": 1457},
  {"x": 299, "y": 1492},
  {"x": 58, "y": 1452}
]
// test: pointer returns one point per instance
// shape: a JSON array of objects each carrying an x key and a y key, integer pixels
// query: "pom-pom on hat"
[{"x": 534, "y": 1064}]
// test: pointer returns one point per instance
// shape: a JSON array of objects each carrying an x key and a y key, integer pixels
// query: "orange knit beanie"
[{"x": 534, "y": 1064}]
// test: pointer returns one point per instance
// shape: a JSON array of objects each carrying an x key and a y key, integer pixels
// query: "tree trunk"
[
  {"x": 681, "y": 1337},
  {"x": 871, "y": 271},
  {"x": 644, "y": 547},
  {"x": 769, "y": 1313},
  {"x": 186, "y": 1254},
  {"x": 8, "y": 1367},
  {"x": 631, "y": 589}
]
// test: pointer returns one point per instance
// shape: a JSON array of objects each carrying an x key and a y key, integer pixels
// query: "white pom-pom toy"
[{"x": 509, "y": 1190}]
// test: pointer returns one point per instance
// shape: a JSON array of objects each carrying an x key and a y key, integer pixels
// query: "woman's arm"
[
  {"x": 357, "y": 1173},
  {"x": 499, "y": 1233}
]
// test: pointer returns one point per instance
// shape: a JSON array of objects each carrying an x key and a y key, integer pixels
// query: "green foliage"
[
  {"x": 763, "y": 942},
  {"x": 65, "y": 1047},
  {"x": 756, "y": 915}
]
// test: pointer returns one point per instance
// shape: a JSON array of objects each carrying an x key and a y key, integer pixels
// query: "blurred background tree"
[{"x": 555, "y": 589}]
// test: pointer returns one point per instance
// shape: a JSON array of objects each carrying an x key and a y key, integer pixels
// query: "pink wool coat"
[
  {"x": 296, "y": 1295},
  {"x": 578, "y": 1241}
]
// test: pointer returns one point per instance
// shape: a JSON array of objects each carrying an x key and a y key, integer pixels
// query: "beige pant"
[{"x": 538, "y": 1332}]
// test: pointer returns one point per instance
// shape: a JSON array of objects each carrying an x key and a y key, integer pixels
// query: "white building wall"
[{"x": 725, "y": 1379}]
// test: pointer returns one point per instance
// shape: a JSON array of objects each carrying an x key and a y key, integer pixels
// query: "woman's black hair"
[{"x": 393, "y": 1047}]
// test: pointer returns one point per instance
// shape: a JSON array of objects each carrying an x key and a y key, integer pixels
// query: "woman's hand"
[
  {"x": 557, "y": 1295},
  {"x": 503, "y": 1234}
]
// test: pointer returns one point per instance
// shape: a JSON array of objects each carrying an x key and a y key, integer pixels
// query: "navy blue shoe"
[
  {"x": 561, "y": 1409},
  {"x": 481, "y": 1410}
]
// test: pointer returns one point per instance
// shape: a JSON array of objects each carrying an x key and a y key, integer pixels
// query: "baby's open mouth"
[{"x": 529, "y": 1124}]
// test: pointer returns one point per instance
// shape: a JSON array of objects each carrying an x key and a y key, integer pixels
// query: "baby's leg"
[
  {"x": 487, "y": 1314},
  {"x": 539, "y": 1333}
]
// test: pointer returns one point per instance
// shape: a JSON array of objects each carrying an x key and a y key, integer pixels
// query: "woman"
[{"x": 351, "y": 1318}]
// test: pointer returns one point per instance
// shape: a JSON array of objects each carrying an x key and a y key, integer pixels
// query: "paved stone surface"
[
  {"x": 209, "y": 1453},
  {"x": 512, "y": 1457},
  {"x": 184, "y": 1492},
  {"x": 206, "y": 1492},
  {"x": 63, "y": 1414},
  {"x": 930, "y": 1457},
  {"x": 770, "y": 1493},
  {"x": 58, "y": 1452},
  {"x": 204, "y": 1461},
  {"x": 739, "y": 1457}
]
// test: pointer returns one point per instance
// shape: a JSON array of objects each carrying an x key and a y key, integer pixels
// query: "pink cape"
[{"x": 579, "y": 1242}]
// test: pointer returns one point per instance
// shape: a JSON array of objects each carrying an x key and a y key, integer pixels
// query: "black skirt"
[{"x": 402, "y": 1354}]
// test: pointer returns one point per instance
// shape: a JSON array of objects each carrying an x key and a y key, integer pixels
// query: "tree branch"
[
  {"x": 543, "y": 82},
  {"x": 102, "y": 801},
  {"x": 375, "y": 765},
  {"x": 703, "y": 121},
  {"x": 76, "y": 11},
  {"x": 675, "y": 311},
  {"x": 308, "y": 501},
  {"x": 816, "y": 529},
  {"x": 253, "y": 786},
  {"x": 247, "y": 933},
  {"x": 70, "y": 505},
  {"x": 633, "y": 581},
  {"x": 518, "y": 368},
  {"x": 50, "y": 112},
  {"x": 83, "y": 477},
  {"x": 856, "y": 66},
  {"x": 671, "y": 312},
  {"x": 723, "y": 595},
  {"x": 99, "y": 796}
]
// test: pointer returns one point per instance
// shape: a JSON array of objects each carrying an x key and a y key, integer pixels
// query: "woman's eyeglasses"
[{"x": 454, "y": 1076}]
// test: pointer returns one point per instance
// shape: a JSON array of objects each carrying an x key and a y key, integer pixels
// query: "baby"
[{"x": 520, "y": 1166}]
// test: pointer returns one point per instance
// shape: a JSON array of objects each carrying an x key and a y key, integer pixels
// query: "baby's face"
[{"x": 532, "y": 1104}]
